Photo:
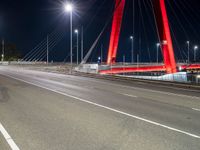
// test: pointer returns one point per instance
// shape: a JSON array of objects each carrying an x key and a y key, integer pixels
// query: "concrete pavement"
[{"x": 68, "y": 112}]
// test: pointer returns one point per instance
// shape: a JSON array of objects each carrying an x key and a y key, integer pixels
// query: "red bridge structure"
[{"x": 170, "y": 65}]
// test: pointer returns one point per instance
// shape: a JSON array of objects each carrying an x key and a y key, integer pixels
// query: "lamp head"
[
  {"x": 76, "y": 31},
  {"x": 68, "y": 7}
]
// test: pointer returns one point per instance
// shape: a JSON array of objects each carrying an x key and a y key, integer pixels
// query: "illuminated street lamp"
[
  {"x": 188, "y": 44},
  {"x": 195, "y": 50},
  {"x": 157, "y": 45},
  {"x": 2, "y": 55},
  {"x": 69, "y": 9},
  {"x": 76, "y": 32},
  {"x": 132, "y": 57}
]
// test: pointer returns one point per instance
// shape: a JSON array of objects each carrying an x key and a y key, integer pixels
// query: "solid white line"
[
  {"x": 8, "y": 138},
  {"x": 129, "y": 95},
  {"x": 111, "y": 109},
  {"x": 196, "y": 109}
]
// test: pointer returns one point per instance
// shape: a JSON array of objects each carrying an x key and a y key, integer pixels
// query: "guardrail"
[
  {"x": 186, "y": 85},
  {"x": 181, "y": 77}
]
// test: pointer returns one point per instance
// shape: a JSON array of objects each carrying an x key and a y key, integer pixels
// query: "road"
[{"x": 49, "y": 111}]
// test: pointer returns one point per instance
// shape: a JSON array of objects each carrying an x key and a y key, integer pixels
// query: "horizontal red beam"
[
  {"x": 145, "y": 69},
  {"x": 133, "y": 69},
  {"x": 192, "y": 66}
]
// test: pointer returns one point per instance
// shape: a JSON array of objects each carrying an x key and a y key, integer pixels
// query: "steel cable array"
[{"x": 39, "y": 52}]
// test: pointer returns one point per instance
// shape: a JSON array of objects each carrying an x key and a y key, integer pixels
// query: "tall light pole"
[
  {"x": 101, "y": 53},
  {"x": 124, "y": 61},
  {"x": 138, "y": 59},
  {"x": 82, "y": 39},
  {"x": 157, "y": 52},
  {"x": 195, "y": 50},
  {"x": 47, "y": 49},
  {"x": 132, "y": 53},
  {"x": 2, "y": 55},
  {"x": 188, "y": 46},
  {"x": 76, "y": 32},
  {"x": 69, "y": 9}
]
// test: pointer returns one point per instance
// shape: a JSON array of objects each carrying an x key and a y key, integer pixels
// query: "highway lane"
[{"x": 35, "y": 116}]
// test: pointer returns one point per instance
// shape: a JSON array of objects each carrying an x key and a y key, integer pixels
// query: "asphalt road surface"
[{"x": 48, "y": 111}]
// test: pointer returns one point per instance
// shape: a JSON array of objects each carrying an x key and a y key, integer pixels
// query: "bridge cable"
[{"x": 99, "y": 36}]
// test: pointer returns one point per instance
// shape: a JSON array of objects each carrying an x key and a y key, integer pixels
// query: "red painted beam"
[
  {"x": 164, "y": 35},
  {"x": 145, "y": 69},
  {"x": 133, "y": 69},
  {"x": 116, "y": 27},
  {"x": 192, "y": 66}
]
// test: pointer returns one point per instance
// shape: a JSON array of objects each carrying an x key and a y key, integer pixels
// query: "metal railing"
[{"x": 181, "y": 77}]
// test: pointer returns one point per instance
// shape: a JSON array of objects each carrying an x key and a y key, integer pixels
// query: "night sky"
[{"x": 27, "y": 22}]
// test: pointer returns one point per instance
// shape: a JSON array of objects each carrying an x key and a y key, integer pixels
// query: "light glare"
[
  {"x": 76, "y": 30},
  {"x": 195, "y": 47},
  {"x": 68, "y": 7}
]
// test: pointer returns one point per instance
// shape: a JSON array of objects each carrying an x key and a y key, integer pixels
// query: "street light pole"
[
  {"x": 188, "y": 46},
  {"x": 69, "y": 8},
  {"x": 2, "y": 55},
  {"x": 158, "y": 45},
  {"x": 76, "y": 31},
  {"x": 71, "y": 53},
  {"x": 132, "y": 57},
  {"x": 195, "y": 49},
  {"x": 138, "y": 60},
  {"x": 101, "y": 53},
  {"x": 47, "y": 49},
  {"x": 124, "y": 61},
  {"x": 82, "y": 39}
]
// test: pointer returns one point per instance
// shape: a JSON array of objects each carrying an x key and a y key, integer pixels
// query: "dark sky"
[{"x": 27, "y": 22}]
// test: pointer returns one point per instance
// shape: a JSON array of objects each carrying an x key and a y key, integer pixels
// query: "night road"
[{"x": 49, "y": 111}]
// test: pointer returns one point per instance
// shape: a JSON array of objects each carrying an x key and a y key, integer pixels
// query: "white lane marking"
[
  {"x": 196, "y": 109},
  {"x": 148, "y": 90},
  {"x": 111, "y": 109},
  {"x": 129, "y": 95},
  {"x": 8, "y": 138}
]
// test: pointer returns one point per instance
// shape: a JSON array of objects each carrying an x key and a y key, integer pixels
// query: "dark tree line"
[{"x": 11, "y": 53}]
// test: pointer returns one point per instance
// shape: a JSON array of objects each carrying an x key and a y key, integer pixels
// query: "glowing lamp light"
[
  {"x": 180, "y": 68},
  {"x": 68, "y": 7},
  {"x": 75, "y": 31},
  {"x": 164, "y": 42}
]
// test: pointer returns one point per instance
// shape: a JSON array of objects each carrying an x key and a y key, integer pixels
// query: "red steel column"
[
  {"x": 165, "y": 35},
  {"x": 116, "y": 27}
]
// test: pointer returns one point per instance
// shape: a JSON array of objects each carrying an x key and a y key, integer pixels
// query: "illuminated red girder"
[
  {"x": 134, "y": 69},
  {"x": 192, "y": 66},
  {"x": 116, "y": 27},
  {"x": 164, "y": 35},
  {"x": 163, "y": 29}
]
